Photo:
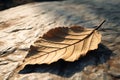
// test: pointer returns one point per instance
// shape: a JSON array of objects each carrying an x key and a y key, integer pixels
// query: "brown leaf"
[{"x": 63, "y": 43}]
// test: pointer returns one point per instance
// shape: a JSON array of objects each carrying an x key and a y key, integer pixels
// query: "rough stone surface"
[{"x": 20, "y": 26}]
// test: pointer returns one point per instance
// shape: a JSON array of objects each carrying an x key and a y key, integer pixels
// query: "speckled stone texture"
[{"x": 20, "y": 26}]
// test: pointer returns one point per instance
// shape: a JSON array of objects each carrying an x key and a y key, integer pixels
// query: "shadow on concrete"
[
  {"x": 108, "y": 9},
  {"x": 6, "y": 4},
  {"x": 67, "y": 69},
  {"x": 47, "y": 0}
]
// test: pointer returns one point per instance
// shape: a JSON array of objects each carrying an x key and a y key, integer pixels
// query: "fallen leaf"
[{"x": 63, "y": 43}]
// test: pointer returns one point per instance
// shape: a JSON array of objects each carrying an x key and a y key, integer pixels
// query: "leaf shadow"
[{"x": 67, "y": 69}]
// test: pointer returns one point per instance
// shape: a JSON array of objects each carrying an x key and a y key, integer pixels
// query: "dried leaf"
[{"x": 63, "y": 43}]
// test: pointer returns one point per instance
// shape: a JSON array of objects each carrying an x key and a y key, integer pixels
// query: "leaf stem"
[{"x": 100, "y": 25}]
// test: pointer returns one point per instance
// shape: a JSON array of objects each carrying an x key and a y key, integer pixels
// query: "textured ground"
[{"x": 21, "y": 26}]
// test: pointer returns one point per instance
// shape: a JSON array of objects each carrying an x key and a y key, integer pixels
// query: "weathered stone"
[
  {"x": 7, "y": 69},
  {"x": 90, "y": 69},
  {"x": 114, "y": 69},
  {"x": 22, "y": 25}
]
